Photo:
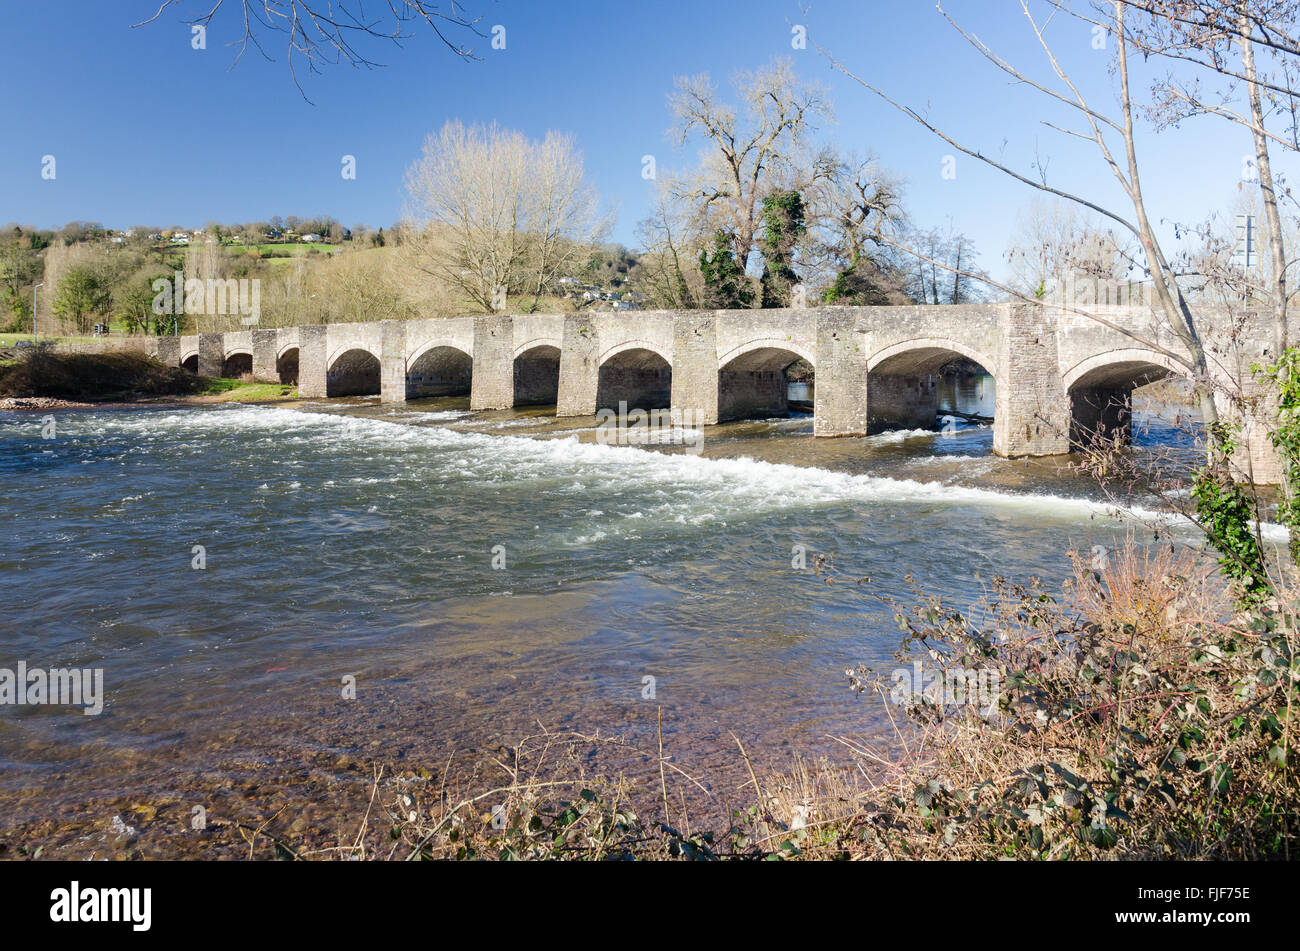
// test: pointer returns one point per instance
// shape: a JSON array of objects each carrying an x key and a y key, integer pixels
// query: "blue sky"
[{"x": 147, "y": 130}]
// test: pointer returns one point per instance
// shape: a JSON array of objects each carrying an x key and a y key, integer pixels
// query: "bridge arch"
[
  {"x": 552, "y": 342},
  {"x": 634, "y": 372},
  {"x": 753, "y": 378},
  {"x": 439, "y": 368},
  {"x": 634, "y": 344},
  {"x": 537, "y": 372},
  {"x": 927, "y": 353},
  {"x": 1100, "y": 390},
  {"x": 286, "y": 364},
  {"x": 909, "y": 382},
  {"x": 352, "y": 371},
  {"x": 238, "y": 363},
  {"x": 190, "y": 361}
]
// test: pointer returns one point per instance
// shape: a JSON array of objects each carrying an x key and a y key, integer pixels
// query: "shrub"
[{"x": 43, "y": 372}]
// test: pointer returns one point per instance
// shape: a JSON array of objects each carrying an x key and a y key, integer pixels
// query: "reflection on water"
[
  {"x": 359, "y": 539},
  {"x": 971, "y": 393}
]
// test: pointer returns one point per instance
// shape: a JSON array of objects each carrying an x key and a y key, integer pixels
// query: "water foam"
[{"x": 738, "y": 484}]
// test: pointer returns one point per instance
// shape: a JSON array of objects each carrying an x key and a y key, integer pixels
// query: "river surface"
[{"x": 478, "y": 575}]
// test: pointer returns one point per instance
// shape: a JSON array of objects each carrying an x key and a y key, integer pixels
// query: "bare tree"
[
  {"x": 488, "y": 211},
  {"x": 322, "y": 33},
  {"x": 1113, "y": 137},
  {"x": 1247, "y": 50},
  {"x": 1053, "y": 240},
  {"x": 750, "y": 149}
]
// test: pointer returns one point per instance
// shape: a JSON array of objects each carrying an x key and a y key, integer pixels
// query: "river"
[{"x": 347, "y": 539}]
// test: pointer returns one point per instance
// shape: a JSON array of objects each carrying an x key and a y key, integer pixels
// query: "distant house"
[
  {"x": 311, "y": 237},
  {"x": 181, "y": 237},
  {"x": 568, "y": 280}
]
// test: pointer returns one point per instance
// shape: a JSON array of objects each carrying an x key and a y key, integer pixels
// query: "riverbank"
[{"x": 41, "y": 379}]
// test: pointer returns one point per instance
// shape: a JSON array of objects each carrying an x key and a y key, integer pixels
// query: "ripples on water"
[{"x": 358, "y": 539}]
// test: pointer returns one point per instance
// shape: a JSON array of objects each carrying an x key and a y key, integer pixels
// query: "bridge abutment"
[
  {"x": 493, "y": 384},
  {"x": 167, "y": 351},
  {"x": 392, "y": 362},
  {"x": 1255, "y": 459},
  {"x": 1032, "y": 415},
  {"x": 840, "y": 376},
  {"x": 265, "y": 351},
  {"x": 579, "y": 367},
  {"x": 695, "y": 369},
  {"x": 212, "y": 354},
  {"x": 313, "y": 359}
]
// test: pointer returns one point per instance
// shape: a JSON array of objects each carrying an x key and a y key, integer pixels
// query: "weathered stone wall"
[
  {"x": 212, "y": 354},
  {"x": 695, "y": 368},
  {"x": 1032, "y": 415},
  {"x": 579, "y": 367},
  {"x": 896, "y": 401},
  {"x": 266, "y": 352},
  {"x": 167, "y": 350},
  {"x": 840, "y": 365},
  {"x": 313, "y": 359},
  {"x": 392, "y": 362},
  {"x": 537, "y": 376},
  {"x": 493, "y": 386}
]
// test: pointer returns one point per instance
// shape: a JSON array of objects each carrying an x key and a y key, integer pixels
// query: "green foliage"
[
  {"x": 133, "y": 306},
  {"x": 725, "y": 285},
  {"x": 855, "y": 285},
  {"x": 1285, "y": 374},
  {"x": 19, "y": 268},
  {"x": 783, "y": 225},
  {"x": 1227, "y": 516},
  {"x": 1116, "y": 728},
  {"x": 81, "y": 296}
]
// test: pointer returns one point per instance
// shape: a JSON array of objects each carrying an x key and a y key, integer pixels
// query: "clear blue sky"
[{"x": 147, "y": 130}]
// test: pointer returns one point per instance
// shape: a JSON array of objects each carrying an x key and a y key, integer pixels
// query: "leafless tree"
[
  {"x": 1115, "y": 142},
  {"x": 749, "y": 149},
  {"x": 322, "y": 33},
  {"x": 488, "y": 208}
]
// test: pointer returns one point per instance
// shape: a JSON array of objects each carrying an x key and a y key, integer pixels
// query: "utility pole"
[{"x": 42, "y": 284}]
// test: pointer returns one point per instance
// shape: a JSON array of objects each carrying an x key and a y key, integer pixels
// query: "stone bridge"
[{"x": 1059, "y": 376}]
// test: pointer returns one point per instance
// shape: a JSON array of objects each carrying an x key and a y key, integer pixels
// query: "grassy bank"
[{"x": 119, "y": 377}]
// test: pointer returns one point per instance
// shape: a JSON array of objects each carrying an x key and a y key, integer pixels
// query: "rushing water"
[{"x": 350, "y": 538}]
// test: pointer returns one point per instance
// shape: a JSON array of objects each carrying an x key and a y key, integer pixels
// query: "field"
[{"x": 283, "y": 250}]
